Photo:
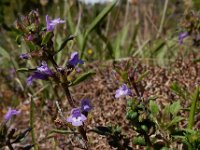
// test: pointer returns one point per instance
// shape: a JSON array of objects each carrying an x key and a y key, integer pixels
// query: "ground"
[{"x": 100, "y": 89}]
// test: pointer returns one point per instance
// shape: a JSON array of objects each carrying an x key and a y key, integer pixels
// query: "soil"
[{"x": 100, "y": 89}]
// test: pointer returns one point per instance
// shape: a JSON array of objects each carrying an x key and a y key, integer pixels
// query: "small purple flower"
[
  {"x": 50, "y": 24},
  {"x": 30, "y": 38},
  {"x": 10, "y": 113},
  {"x": 74, "y": 59},
  {"x": 44, "y": 69},
  {"x": 76, "y": 117},
  {"x": 29, "y": 80},
  {"x": 85, "y": 105},
  {"x": 122, "y": 91},
  {"x": 24, "y": 56},
  {"x": 182, "y": 36},
  {"x": 36, "y": 75}
]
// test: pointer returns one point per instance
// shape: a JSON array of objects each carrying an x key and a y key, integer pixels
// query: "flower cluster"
[
  {"x": 77, "y": 116},
  {"x": 42, "y": 49}
]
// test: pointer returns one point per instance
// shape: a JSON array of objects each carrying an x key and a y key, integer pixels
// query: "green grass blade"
[
  {"x": 135, "y": 33},
  {"x": 195, "y": 98},
  {"x": 95, "y": 22},
  {"x": 32, "y": 123},
  {"x": 4, "y": 53}
]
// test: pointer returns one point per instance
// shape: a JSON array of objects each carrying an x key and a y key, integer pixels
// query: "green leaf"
[
  {"x": 153, "y": 107},
  {"x": 46, "y": 38},
  {"x": 166, "y": 110},
  {"x": 25, "y": 70},
  {"x": 4, "y": 53},
  {"x": 195, "y": 98},
  {"x": 66, "y": 40},
  {"x": 18, "y": 39},
  {"x": 142, "y": 76},
  {"x": 139, "y": 140},
  {"x": 176, "y": 88},
  {"x": 30, "y": 45},
  {"x": 175, "y": 108},
  {"x": 159, "y": 46},
  {"x": 102, "y": 130},
  {"x": 61, "y": 131},
  {"x": 175, "y": 120},
  {"x": 82, "y": 78}
]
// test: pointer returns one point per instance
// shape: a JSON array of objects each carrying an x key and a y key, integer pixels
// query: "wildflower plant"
[
  {"x": 39, "y": 39},
  {"x": 156, "y": 128}
]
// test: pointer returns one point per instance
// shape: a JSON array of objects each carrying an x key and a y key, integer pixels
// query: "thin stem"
[
  {"x": 163, "y": 18},
  {"x": 9, "y": 145},
  {"x": 64, "y": 85},
  {"x": 69, "y": 97},
  {"x": 32, "y": 122}
]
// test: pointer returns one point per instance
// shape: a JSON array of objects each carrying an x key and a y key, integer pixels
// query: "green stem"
[
  {"x": 195, "y": 98},
  {"x": 32, "y": 124},
  {"x": 163, "y": 18}
]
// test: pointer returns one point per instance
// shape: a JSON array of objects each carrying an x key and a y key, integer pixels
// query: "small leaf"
[
  {"x": 25, "y": 70},
  {"x": 82, "y": 78},
  {"x": 66, "y": 40},
  {"x": 153, "y": 107},
  {"x": 139, "y": 140},
  {"x": 175, "y": 108},
  {"x": 102, "y": 130},
  {"x": 195, "y": 97},
  {"x": 30, "y": 45},
  {"x": 22, "y": 135},
  {"x": 61, "y": 131},
  {"x": 18, "y": 39},
  {"x": 4, "y": 53},
  {"x": 177, "y": 89},
  {"x": 46, "y": 38},
  {"x": 175, "y": 120},
  {"x": 124, "y": 75},
  {"x": 31, "y": 27},
  {"x": 142, "y": 76}
]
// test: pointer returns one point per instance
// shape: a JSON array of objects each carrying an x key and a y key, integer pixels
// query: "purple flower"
[
  {"x": 10, "y": 113},
  {"x": 122, "y": 91},
  {"x": 85, "y": 105},
  {"x": 50, "y": 24},
  {"x": 43, "y": 72},
  {"x": 29, "y": 80},
  {"x": 30, "y": 38},
  {"x": 74, "y": 59},
  {"x": 76, "y": 117},
  {"x": 24, "y": 56},
  {"x": 182, "y": 36},
  {"x": 44, "y": 69},
  {"x": 36, "y": 75}
]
